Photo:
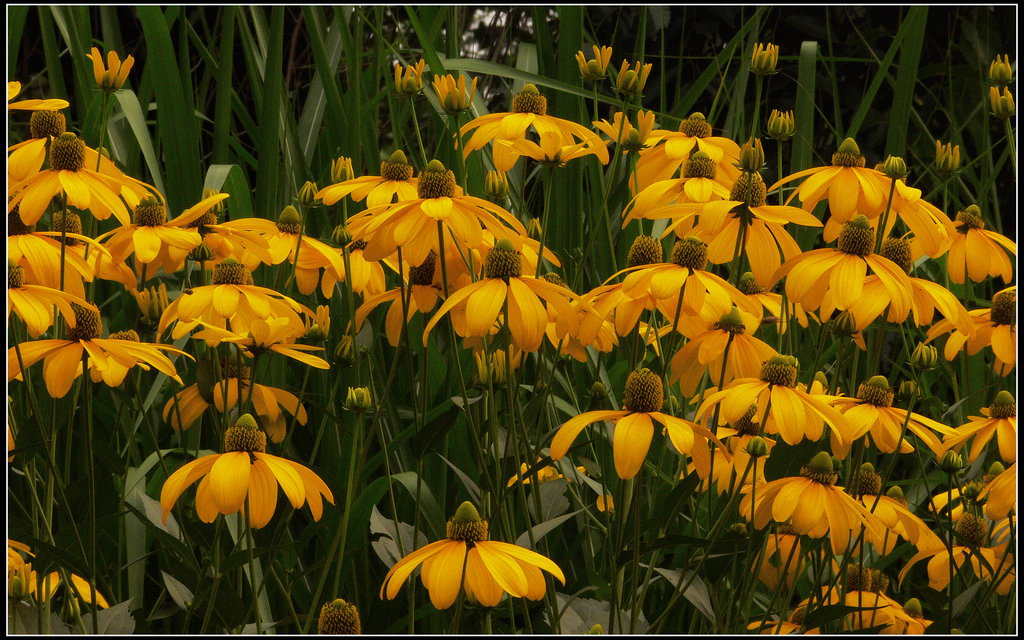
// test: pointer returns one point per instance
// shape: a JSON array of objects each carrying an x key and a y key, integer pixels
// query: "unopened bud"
[
  {"x": 496, "y": 185},
  {"x": 951, "y": 462},
  {"x": 895, "y": 168},
  {"x": 757, "y": 447},
  {"x": 752, "y": 156},
  {"x": 925, "y": 356},
  {"x": 1000, "y": 73},
  {"x": 307, "y": 195},
  {"x": 781, "y": 125},
  {"x": 359, "y": 399}
]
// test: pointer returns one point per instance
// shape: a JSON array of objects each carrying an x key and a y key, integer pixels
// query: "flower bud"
[
  {"x": 1001, "y": 105},
  {"x": 409, "y": 83},
  {"x": 951, "y": 462},
  {"x": 595, "y": 69},
  {"x": 341, "y": 169},
  {"x": 1000, "y": 73},
  {"x": 359, "y": 399},
  {"x": 341, "y": 236},
  {"x": 895, "y": 168},
  {"x": 908, "y": 390},
  {"x": 631, "y": 82},
  {"x": 781, "y": 125},
  {"x": 844, "y": 324},
  {"x": 496, "y": 185},
  {"x": 307, "y": 195},
  {"x": 752, "y": 156},
  {"x": 925, "y": 356},
  {"x": 757, "y": 447},
  {"x": 764, "y": 59},
  {"x": 947, "y": 156}
]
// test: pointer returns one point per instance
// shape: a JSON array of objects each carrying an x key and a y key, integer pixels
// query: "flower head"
[
  {"x": 631, "y": 81},
  {"x": 410, "y": 81},
  {"x": 338, "y": 617},
  {"x": 111, "y": 77},
  {"x": 1000, "y": 72},
  {"x": 764, "y": 59},
  {"x": 1001, "y": 104},
  {"x": 14, "y": 88},
  {"x": 452, "y": 95},
  {"x": 781, "y": 125},
  {"x": 947, "y": 156},
  {"x": 594, "y": 70},
  {"x": 395, "y": 183}
]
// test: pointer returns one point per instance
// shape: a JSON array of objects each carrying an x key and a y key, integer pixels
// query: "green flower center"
[
  {"x": 44, "y": 123},
  {"x": 529, "y": 100},
  {"x": 731, "y": 322},
  {"x": 339, "y": 618},
  {"x": 436, "y": 181},
  {"x": 876, "y": 391},
  {"x": 231, "y": 271},
  {"x": 150, "y": 212},
  {"x": 699, "y": 165},
  {"x": 396, "y": 167},
  {"x": 696, "y": 126},
  {"x": 15, "y": 275},
  {"x": 645, "y": 250},
  {"x": 857, "y": 237},
  {"x": 749, "y": 188},
  {"x": 969, "y": 218},
  {"x": 898, "y": 251},
  {"x": 895, "y": 493},
  {"x": 424, "y": 274},
  {"x": 972, "y": 528},
  {"x": 289, "y": 221},
  {"x": 780, "y": 370},
  {"x": 467, "y": 524},
  {"x": 644, "y": 392},
  {"x": 1003, "y": 311},
  {"x": 67, "y": 222},
  {"x": 690, "y": 252},
  {"x": 67, "y": 153},
  {"x": 848, "y": 155},
  {"x": 1004, "y": 406},
  {"x": 88, "y": 325},
  {"x": 503, "y": 261},
  {"x": 820, "y": 469},
  {"x": 245, "y": 435}
]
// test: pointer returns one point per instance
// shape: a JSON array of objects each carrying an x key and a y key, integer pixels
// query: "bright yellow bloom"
[
  {"x": 245, "y": 477},
  {"x": 425, "y": 291},
  {"x": 550, "y": 151},
  {"x": 1000, "y": 494},
  {"x": 975, "y": 530},
  {"x": 112, "y": 77},
  {"x": 976, "y": 251},
  {"x": 891, "y": 510},
  {"x": 23, "y": 581},
  {"x": 622, "y": 132},
  {"x": 546, "y": 473},
  {"x": 274, "y": 334},
  {"x": 634, "y": 425},
  {"x": 772, "y": 303},
  {"x": 812, "y": 504},
  {"x": 731, "y": 462},
  {"x": 34, "y": 304},
  {"x": 595, "y": 69},
  {"x": 395, "y": 182},
  {"x": 466, "y": 559},
  {"x": 631, "y": 81},
  {"x": 452, "y": 95},
  {"x": 782, "y": 560},
  {"x": 675, "y": 199},
  {"x": 39, "y": 254},
  {"x": 1000, "y": 420},
  {"x": 409, "y": 82},
  {"x": 994, "y": 327},
  {"x": 14, "y": 88},
  {"x": 661, "y": 161}
]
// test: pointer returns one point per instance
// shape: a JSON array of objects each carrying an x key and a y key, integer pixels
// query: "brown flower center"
[
  {"x": 876, "y": 391},
  {"x": 645, "y": 250},
  {"x": 150, "y": 212},
  {"x": 1003, "y": 309},
  {"x": 503, "y": 261},
  {"x": 857, "y": 237},
  {"x": 45, "y": 123},
  {"x": 67, "y": 153},
  {"x": 245, "y": 435},
  {"x": 339, "y": 618},
  {"x": 750, "y": 189},
  {"x": 529, "y": 100},
  {"x": 699, "y": 165},
  {"x": 231, "y": 271},
  {"x": 644, "y": 392},
  {"x": 690, "y": 252},
  {"x": 396, "y": 167},
  {"x": 898, "y": 251},
  {"x": 696, "y": 126},
  {"x": 436, "y": 181},
  {"x": 67, "y": 222},
  {"x": 780, "y": 370},
  {"x": 88, "y": 325}
]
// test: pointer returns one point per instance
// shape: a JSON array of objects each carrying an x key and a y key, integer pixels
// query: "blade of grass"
[
  {"x": 268, "y": 147},
  {"x": 225, "y": 88},
  {"x": 906, "y": 80},
  {"x": 132, "y": 111},
  {"x": 803, "y": 115}
]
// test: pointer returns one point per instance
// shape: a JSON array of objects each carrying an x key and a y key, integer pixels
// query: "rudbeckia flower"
[
  {"x": 595, "y": 69},
  {"x": 634, "y": 425},
  {"x": 782, "y": 560},
  {"x": 466, "y": 559},
  {"x": 1000, "y": 420},
  {"x": 842, "y": 272},
  {"x": 24, "y": 582},
  {"x": 545, "y": 473},
  {"x": 109, "y": 358},
  {"x": 451, "y": 94},
  {"x": 14, "y": 88},
  {"x": 81, "y": 187},
  {"x": 670, "y": 149},
  {"x": 529, "y": 109},
  {"x": 549, "y": 151},
  {"x": 34, "y": 304},
  {"x": 245, "y": 478},
  {"x": 892, "y": 512},
  {"x": 504, "y": 286},
  {"x": 26, "y": 158},
  {"x": 871, "y": 414},
  {"x": 794, "y": 414},
  {"x": 872, "y": 608},
  {"x": 1000, "y": 494},
  {"x": 812, "y": 504},
  {"x": 725, "y": 467},
  {"x": 976, "y": 251},
  {"x": 111, "y": 77},
  {"x": 699, "y": 184},
  {"x": 412, "y": 225},
  {"x": 424, "y": 292},
  {"x": 772, "y": 303},
  {"x": 365, "y": 276},
  {"x": 273, "y": 335},
  {"x": 395, "y": 183},
  {"x": 622, "y": 132},
  {"x": 972, "y": 529},
  {"x": 995, "y": 327}
]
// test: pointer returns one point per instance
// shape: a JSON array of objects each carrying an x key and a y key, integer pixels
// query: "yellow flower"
[
  {"x": 546, "y": 473},
  {"x": 730, "y": 463},
  {"x": 1000, "y": 420},
  {"x": 34, "y": 304},
  {"x": 39, "y": 254},
  {"x": 811, "y": 503},
  {"x": 409, "y": 82},
  {"x": 595, "y": 69},
  {"x": 466, "y": 559},
  {"x": 947, "y": 156},
  {"x": 764, "y": 59},
  {"x": 891, "y": 511},
  {"x": 984, "y": 561},
  {"x": 782, "y": 560},
  {"x": 23, "y": 581},
  {"x": 634, "y": 425},
  {"x": 14, "y": 88},
  {"x": 976, "y": 251},
  {"x": 550, "y": 151},
  {"x": 1001, "y": 104},
  {"x": 994, "y": 327},
  {"x": 273, "y": 334},
  {"x": 395, "y": 182},
  {"x": 112, "y": 77},
  {"x": 772, "y": 303},
  {"x": 452, "y": 95},
  {"x": 1000, "y": 72},
  {"x": 245, "y": 477},
  {"x": 631, "y": 81},
  {"x": 781, "y": 125},
  {"x": 109, "y": 358},
  {"x": 1000, "y": 494},
  {"x": 622, "y": 132},
  {"x": 423, "y": 296},
  {"x": 661, "y": 161}
]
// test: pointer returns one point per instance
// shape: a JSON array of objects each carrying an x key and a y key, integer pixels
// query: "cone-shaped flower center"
[
  {"x": 969, "y": 218},
  {"x": 876, "y": 391},
  {"x": 45, "y": 123},
  {"x": 396, "y": 167},
  {"x": 231, "y": 271},
  {"x": 867, "y": 481},
  {"x": 848, "y": 155},
  {"x": 245, "y": 435},
  {"x": 820, "y": 469},
  {"x": 913, "y": 608},
  {"x": 1004, "y": 406},
  {"x": 503, "y": 261},
  {"x": 424, "y": 274},
  {"x": 130, "y": 335},
  {"x": 748, "y": 284},
  {"x": 529, "y": 100},
  {"x": 780, "y": 370},
  {"x": 339, "y": 618},
  {"x": 690, "y": 252},
  {"x": 15, "y": 225},
  {"x": 644, "y": 392},
  {"x": 749, "y": 188},
  {"x": 88, "y": 324},
  {"x": 699, "y": 165},
  {"x": 645, "y": 250},
  {"x": 289, "y": 221},
  {"x": 894, "y": 492},
  {"x": 696, "y": 126},
  {"x": 436, "y": 181},
  {"x": 15, "y": 275},
  {"x": 898, "y": 251},
  {"x": 467, "y": 524},
  {"x": 972, "y": 528},
  {"x": 67, "y": 153},
  {"x": 553, "y": 278},
  {"x": 861, "y": 578},
  {"x": 746, "y": 425},
  {"x": 731, "y": 322},
  {"x": 150, "y": 212},
  {"x": 857, "y": 237},
  {"x": 68, "y": 222},
  {"x": 1003, "y": 311}
]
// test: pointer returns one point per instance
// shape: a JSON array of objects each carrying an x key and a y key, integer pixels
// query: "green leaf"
[
  {"x": 229, "y": 178},
  {"x": 132, "y": 112}
]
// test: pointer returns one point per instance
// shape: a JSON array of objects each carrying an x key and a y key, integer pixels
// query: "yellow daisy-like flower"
[
  {"x": 451, "y": 94},
  {"x": 480, "y": 302},
  {"x": 670, "y": 149},
  {"x": 395, "y": 183},
  {"x": 782, "y": 560},
  {"x": 274, "y": 335},
  {"x": 1000, "y": 494},
  {"x": 111, "y": 77},
  {"x": 794, "y": 414},
  {"x": 245, "y": 478},
  {"x": 34, "y": 304},
  {"x": 973, "y": 529},
  {"x": 812, "y": 504},
  {"x": 550, "y": 151},
  {"x": 466, "y": 559},
  {"x": 1000, "y": 420},
  {"x": 842, "y": 272},
  {"x": 529, "y": 109},
  {"x": 891, "y": 510},
  {"x": 24, "y": 582},
  {"x": 595, "y": 69},
  {"x": 634, "y": 425},
  {"x": 109, "y": 358},
  {"x": 38, "y": 253},
  {"x": 976, "y": 251},
  {"x": 14, "y": 88},
  {"x": 409, "y": 80},
  {"x": 700, "y": 183},
  {"x": 772, "y": 303},
  {"x": 424, "y": 293},
  {"x": 622, "y": 132},
  {"x": 631, "y": 81},
  {"x": 545, "y": 473},
  {"x": 871, "y": 414},
  {"x": 995, "y": 327},
  {"x": 730, "y": 463}
]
